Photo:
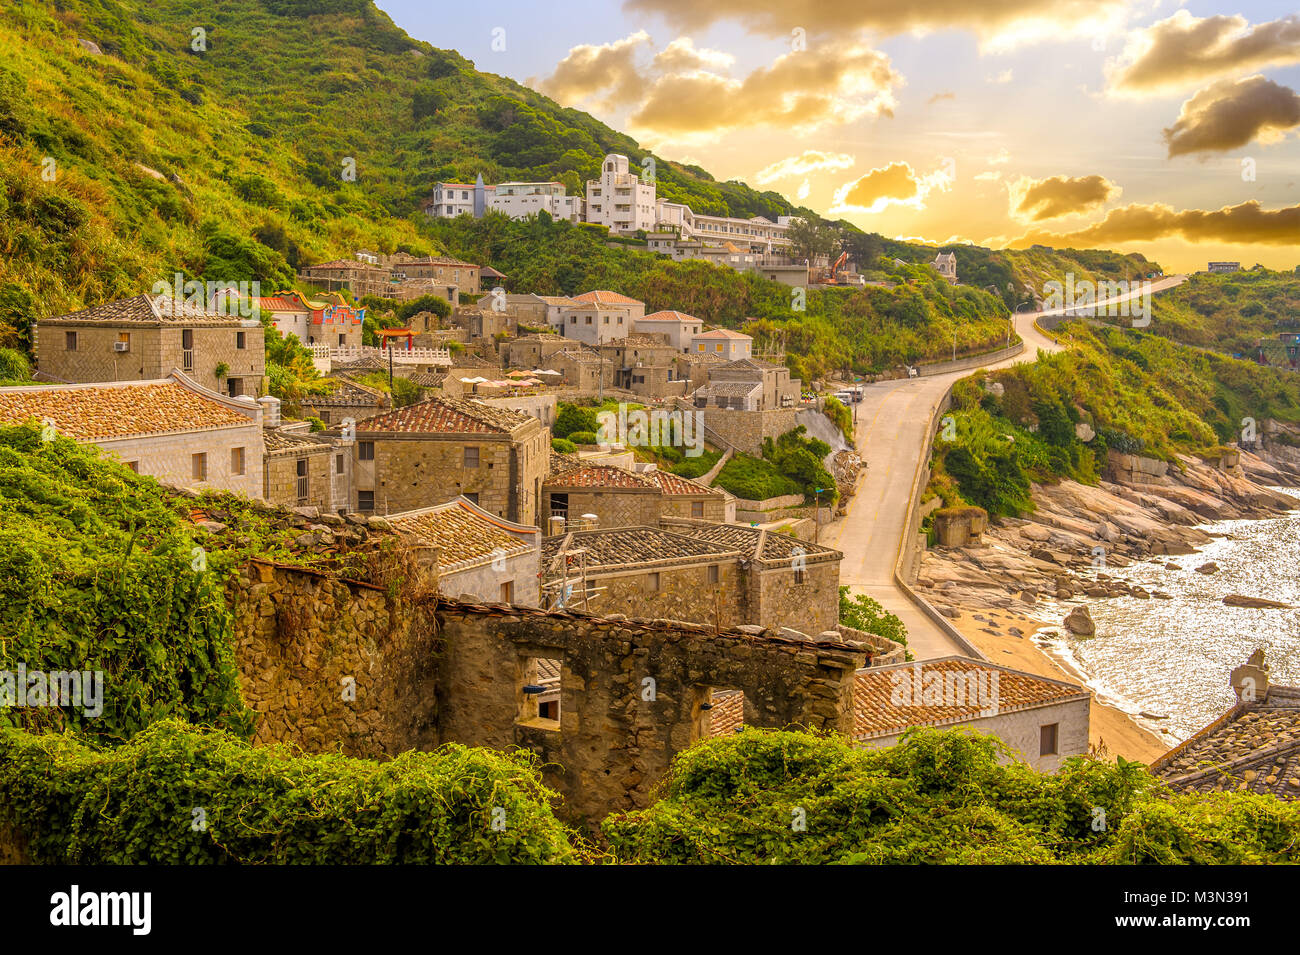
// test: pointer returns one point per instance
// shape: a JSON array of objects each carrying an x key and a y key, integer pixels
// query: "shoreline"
[{"x": 993, "y": 589}]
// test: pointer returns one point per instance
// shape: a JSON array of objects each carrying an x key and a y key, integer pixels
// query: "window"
[
  {"x": 508, "y": 592},
  {"x": 241, "y": 339},
  {"x": 124, "y": 339},
  {"x": 366, "y": 450},
  {"x": 343, "y": 340},
  {"x": 799, "y": 576},
  {"x": 652, "y": 582},
  {"x": 713, "y": 573},
  {"x": 301, "y": 474},
  {"x": 338, "y": 464},
  {"x": 324, "y": 417},
  {"x": 134, "y": 466},
  {"x": 588, "y": 319},
  {"x": 236, "y": 460},
  {"x": 199, "y": 466},
  {"x": 365, "y": 500},
  {"x": 471, "y": 457},
  {"x": 234, "y": 387},
  {"x": 187, "y": 338},
  {"x": 697, "y": 508},
  {"x": 717, "y": 347},
  {"x": 539, "y": 692},
  {"x": 1047, "y": 739},
  {"x": 70, "y": 341}
]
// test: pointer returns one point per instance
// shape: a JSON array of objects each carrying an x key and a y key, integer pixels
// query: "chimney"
[
  {"x": 1250, "y": 680},
  {"x": 270, "y": 411}
]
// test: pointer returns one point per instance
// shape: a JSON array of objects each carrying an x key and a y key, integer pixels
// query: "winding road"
[{"x": 893, "y": 421}]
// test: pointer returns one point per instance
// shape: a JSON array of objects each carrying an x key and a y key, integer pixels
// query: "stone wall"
[
  {"x": 623, "y": 507},
  {"x": 681, "y": 592},
  {"x": 810, "y": 606},
  {"x": 429, "y": 670},
  {"x": 745, "y": 430}
]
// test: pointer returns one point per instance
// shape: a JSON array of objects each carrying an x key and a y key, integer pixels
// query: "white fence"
[{"x": 401, "y": 356}]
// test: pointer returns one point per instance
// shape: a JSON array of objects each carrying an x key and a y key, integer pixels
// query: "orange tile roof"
[
  {"x": 876, "y": 712},
  {"x": 606, "y": 297},
  {"x": 676, "y": 484},
  {"x": 669, "y": 315},
  {"x": 442, "y": 415},
  {"x": 101, "y": 412},
  {"x": 723, "y": 333}
]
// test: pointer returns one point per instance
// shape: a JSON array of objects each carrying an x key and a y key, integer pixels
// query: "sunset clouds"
[
  {"x": 895, "y": 184},
  {"x": 1246, "y": 223},
  {"x": 1039, "y": 199},
  {"x": 1232, "y": 113},
  {"x": 1184, "y": 51}
]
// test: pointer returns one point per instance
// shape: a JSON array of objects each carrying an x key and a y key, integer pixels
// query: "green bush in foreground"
[
  {"x": 937, "y": 797},
  {"x": 180, "y": 794}
]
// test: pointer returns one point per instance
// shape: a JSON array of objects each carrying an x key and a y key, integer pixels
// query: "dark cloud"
[
  {"x": 1245, "y": 224},
  {"x": 1231, "y": 113}
]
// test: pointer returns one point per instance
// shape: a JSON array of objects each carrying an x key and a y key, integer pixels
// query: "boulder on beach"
[
  {"x": 1210, "y": 568},
  {"x": 1079, "y": 622},
  {"x": 1237, "y": 600}
]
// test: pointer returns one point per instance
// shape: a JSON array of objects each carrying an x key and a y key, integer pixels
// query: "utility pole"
[
  {"x": 390, "y": 366},
  {"x": 954, "y": 344},
  {"x": 817, "y": 514}
]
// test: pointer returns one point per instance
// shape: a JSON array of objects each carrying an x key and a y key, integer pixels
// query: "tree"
[{"x": 809, "y": 240}]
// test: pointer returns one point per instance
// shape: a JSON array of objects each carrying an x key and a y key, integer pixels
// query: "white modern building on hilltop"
[{"x": 620, "y": 200}]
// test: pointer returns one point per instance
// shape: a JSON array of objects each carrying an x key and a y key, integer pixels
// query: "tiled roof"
[
  {"x": 99, "y": 412},
  {"x": 465, "y": 534},
  {"x": 671, "y": 483},
  {"x": 780, "y": 547},
  {"x": 875, "y": 712},
  {"x": 348, "y": 393},
  {"x": 428, "y": 379},
  {"x": 443, "y": 260},
  {"x": 557, "y": 300},
  {"x": 605, "y": 297},
  {"x": 363, "y": 363},
  {"x": 729, "y": 389},
  {"x": 721, "y": 333},
  {"x": 669, "y": 315},
  {"x": 1253, "y": 747},
  {"x": 704, "y": 358},
  {"x": 752, "y": 363},
  {"x": 345, "y": 264},
  {"x": 279, "y": 440},
  {"x": 445, "y": 415},
  {"x": 144, "y": 310},
  {"x": 640, "y": 547},
  {"x": 583, "y": 356},
  {"x": 602, "y": 476},
  {"x": 467, "y": 360}
]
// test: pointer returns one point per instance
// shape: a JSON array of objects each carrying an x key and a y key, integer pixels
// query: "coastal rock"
[
  {"x": 1210, "y": 568},
  {"x": 1237, "y": 600},
  {"x": 1079, "y": 622}
]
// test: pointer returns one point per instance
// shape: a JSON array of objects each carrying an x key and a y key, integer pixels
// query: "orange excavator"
[{"x": 831, "y": 276}]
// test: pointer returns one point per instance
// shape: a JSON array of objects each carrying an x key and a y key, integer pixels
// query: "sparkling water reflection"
[{"x": 1171, "y": 658}]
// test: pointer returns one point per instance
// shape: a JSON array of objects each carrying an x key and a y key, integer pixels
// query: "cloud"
[
  {"x": 1004, "y": 77},
  {"x": 1000, "y": 24},
  {"x": 810, "y": 160},
  {"x": 1245, "y": 223},
  {"x": 937, "y": 97},
  {"x": 988, "y": 176},
  {"x": 590, "y": 70},
  {"x": 800, "y": 91},
  {"x": 1001, "y": 158},
  {"x": 1056, "y": 196},
  {"x": 1231, "y": 113},
  {"x": 894, "y": 185},
  {"x": 682, "y": 56},
  {"x": 1185, "y": 51}
]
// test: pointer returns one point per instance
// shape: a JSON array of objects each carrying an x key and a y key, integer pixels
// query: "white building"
[
  {"x": 620, "y": 200},
  {"x": 452, "y": 199},
  {"x": 519, "y": 200},
  {"x": 945, "y": 263},
  {"x": 678, "y": 326}
]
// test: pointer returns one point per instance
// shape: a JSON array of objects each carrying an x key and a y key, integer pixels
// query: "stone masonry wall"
[{"x": 282, "y": 478}]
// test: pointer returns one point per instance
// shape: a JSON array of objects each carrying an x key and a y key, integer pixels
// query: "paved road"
[{"x": 893, "y": 419}]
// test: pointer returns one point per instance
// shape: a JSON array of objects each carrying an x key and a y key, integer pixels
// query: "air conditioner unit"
[{"x": 121, "y": 346}]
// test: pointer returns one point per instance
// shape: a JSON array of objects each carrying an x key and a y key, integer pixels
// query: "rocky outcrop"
[
  {"x": 1237, "y": 600},
  {"x": 1079, "y": 622}
]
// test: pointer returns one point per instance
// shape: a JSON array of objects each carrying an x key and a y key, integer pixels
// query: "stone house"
[
  {"x": 1042, "y": 720},
  {"x": 593, "y": 323},
  {"x": 723, "y": 341},
  {"x": 327, "y": 321},
  {"x": 1252, "y": 747},
  {"x": 682, "y": 571},
  {"x": 358, "y": 277},
  {"x": 439, "y": 270},
  {"x": 695, "y": 367},
  {"x": 644, "y": 365},
  {"x": 444, "y": 447},
  {"x": 533, "y": 351},
  {"x": 582, "y": 368},
  {"x": 620, "y": 497},
  {"x": 789, "y": 582},
  {"x": 479, "y": 555},
  {"x": 303, "y": 470},
  {"x": 748, "y": 384},
  {"x": 678, "y": 328},
  {"x": 348, "y": 399},
  {"x": 171, "y": 429},
  {"x": 145, "y": 338}
]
